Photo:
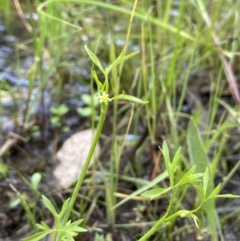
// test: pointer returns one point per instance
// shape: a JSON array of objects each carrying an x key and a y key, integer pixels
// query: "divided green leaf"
[
  {"x": 47, "y": 203},
  {"x": 38, "y": 236},
  {"x": 43, "y": 226}
]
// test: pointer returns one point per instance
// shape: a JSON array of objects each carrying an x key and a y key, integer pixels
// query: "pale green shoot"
[
  {"x": 60, "y": 231},
  {"x": 64, "y": 229},
  {"x": 200, "y": 181}
]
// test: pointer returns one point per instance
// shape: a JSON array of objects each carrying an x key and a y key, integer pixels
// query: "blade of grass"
[
  {"x": 140, "y": 15},
  {"x": 198, "y": 157},
  {"x": 151, "y": 184}
]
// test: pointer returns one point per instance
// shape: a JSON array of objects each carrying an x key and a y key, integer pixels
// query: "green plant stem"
[
  {"x": 26, "y": 207},
  {"x": 104, "y": 108},
  {"x": 165, "y": 218},
  {"x": 160, "y": 222}
]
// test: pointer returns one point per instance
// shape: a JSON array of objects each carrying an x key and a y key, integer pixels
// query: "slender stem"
[
  {"x": 104, "y": 108},
  {"x": 166, "y": 219},
  {"x": 160, "y": 222}
]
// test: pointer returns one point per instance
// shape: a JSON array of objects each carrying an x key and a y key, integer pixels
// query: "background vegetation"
[{"x": 187, "y": 68}]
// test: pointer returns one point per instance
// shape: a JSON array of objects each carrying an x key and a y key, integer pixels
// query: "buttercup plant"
[
  {"x": 103, "y": 89},
  {"x": 61, "y": 231},
  {"x": 198, "y": 180},
  {"x": 64, "y": 229}
]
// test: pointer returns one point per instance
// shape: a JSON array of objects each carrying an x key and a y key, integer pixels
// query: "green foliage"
[
  {"x": 62, "y": 231},
  {"x": 60, "y": 110},
  {"x": 3, "y": 169},
  {"x": 155, "y": 193},
  {"x": 198, "y": 157},
  {"x": 58, "y": 113},
  {"x": 100, "y": 237},
  {"x": 35, "y": 131},
  {"x": 196, "y": 150},
  {"x": 173, "y": 51},
  {"x": 104, "y": 88},
  {"x": 14, "y": 202},
  {"x": 91, "y": 102},
  {"x": 198, "y": 180},
  {"x": 5, "y": 9},
  {"x": 35, "y": 180}
]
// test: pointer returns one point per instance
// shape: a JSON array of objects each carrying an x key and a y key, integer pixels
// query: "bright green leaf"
[
  {"x": 38, "y": 236},
  {"x": 205, "y": 180},
  {"x": 176, "y": 159},
  {"x": 3, "y": 169},
  {"x": 115, "y": 63},
  {"x": 120, "y": 59},
  {"x": 87, "y": 99},
  {"x": 154, "y": 193},
  {"x": 165, "y": 152},
  {"x": 64, "y": 208},
  {"x": 215, "y": 191},
  {"x": 195, "y": 176},
  {"x": 73, "y": 227},
  {"x": 43, "y": 226},
  {"x": 227, "y": 196},
  {"x": 99, "y": 84},
  {"x": 54, "y": 110},
  {"x": 35, "y": 180},
  {"x": 65, "y": 129},
  {"x": 47, "y": 203},
  {"x": 68, "y": 237},
  {"x": 84, "y": 111},
  {"x": 14, "y": 202},
  {"x": 130, "y": 55},
  {"x": 55, "y": 120},
  {"x": 90, "y": 100},
  {"x": 190, "y": 171},
  {"x": 94, "y": 58},
  {"x": 60, "y": 110},
  {"x": 129, "y": 98},
  {"x": 147, "y": 186},
  {"x": 196, "y": 151},
  {"x": 187, "y": 177},
  {"x": 80, "y": 230}
]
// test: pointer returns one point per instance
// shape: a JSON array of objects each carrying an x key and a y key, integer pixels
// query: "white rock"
[{"x": 72, "y": 156}]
